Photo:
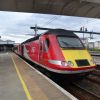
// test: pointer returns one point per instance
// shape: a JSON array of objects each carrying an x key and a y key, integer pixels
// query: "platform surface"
[
  {"x": 33, "y": 87},
  {"x": 10, "y": 87}
]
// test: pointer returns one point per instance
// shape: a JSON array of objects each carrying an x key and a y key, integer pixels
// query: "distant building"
[
  {"x": 97, "y": 44},
  {"x": 6, "y": 45},
  {"x": 91, "y": 45}
]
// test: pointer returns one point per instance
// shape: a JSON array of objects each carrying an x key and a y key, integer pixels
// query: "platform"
[{"x": 19, "y": 81}]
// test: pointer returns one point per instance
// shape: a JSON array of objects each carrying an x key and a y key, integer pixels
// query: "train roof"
[
  {"x": 53, "y": 31},
  {"x": 61, "y": 32},
  {"x": 31, "y": 39}
]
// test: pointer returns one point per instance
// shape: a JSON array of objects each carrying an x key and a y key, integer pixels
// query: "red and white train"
[{"x": 58, "y": 51}]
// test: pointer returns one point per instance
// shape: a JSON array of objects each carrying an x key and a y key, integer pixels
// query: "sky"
[{"x": 16, "y": 26}]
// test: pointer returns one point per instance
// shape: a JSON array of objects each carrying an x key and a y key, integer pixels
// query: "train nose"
[{"x": 77, "y": 58}]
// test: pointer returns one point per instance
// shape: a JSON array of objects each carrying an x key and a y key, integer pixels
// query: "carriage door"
[
  {"x": 22, "y": 49},
  {"x": 41, "y": 50}
]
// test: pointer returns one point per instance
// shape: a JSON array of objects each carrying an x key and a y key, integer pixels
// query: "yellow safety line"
[{"x": 22, "y": 81}]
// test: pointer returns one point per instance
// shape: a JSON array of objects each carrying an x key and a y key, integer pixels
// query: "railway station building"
[{"x": 6, "y": 45}]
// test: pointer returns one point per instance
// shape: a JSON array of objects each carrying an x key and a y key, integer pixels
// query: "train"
[{"x": 59, "y": 51}]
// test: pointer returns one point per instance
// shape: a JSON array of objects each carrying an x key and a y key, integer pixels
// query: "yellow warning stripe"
[{"x": 22, "y": 81}]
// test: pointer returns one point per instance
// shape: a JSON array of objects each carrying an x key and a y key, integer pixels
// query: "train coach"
[{"x": 59, "y": 51}]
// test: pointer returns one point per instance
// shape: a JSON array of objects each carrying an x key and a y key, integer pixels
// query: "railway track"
[
  {"x": 98, "y": 67},
  {"x": 85, "y": 89},
  {"x": 77, "y": 88},
  {"x": 96, "y": 73},
  {"x": 94, "y": 79},
  {"x": 79, "y": 91},
  {"x": 90, "y": 88},
  {"x": 87, "y": 94}
]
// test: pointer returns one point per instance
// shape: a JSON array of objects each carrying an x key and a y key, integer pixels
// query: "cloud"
[
  {"x": 14, "y": 25},
  {"x": 9, "y": 21},
  {"x": 17, "y": 38}
]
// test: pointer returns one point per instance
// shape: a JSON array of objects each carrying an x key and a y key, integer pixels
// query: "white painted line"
[{"x": 56, "y": 85}]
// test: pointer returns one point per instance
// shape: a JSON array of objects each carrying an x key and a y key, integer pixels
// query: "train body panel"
[{"x": 58, "y": 51}]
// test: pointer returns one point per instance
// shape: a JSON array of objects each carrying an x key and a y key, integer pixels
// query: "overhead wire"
[
  {"x": 77, "y": 25},
  {"x": 51, "y": 20},
  {"x": 73, "y": 26}
]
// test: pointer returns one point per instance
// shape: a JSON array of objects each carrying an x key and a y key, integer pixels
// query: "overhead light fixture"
[{"x": 92, "y": 1}]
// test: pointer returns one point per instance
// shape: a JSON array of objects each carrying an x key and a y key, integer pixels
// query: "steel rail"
[{"x": 89, "y": 92}]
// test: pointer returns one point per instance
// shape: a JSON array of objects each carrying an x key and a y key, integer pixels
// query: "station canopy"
[{"x": 82, "y": 8}]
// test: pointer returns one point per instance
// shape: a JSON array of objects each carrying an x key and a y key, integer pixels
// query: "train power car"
[{"x": 59, "y": 51}]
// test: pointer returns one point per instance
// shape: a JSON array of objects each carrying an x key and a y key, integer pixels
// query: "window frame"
[
  {"x": 46, "y": 45},
  {"x": 70, "y": 47}
]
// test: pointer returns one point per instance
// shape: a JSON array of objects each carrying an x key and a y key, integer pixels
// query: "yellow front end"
[{"x": 73, "y": 55}]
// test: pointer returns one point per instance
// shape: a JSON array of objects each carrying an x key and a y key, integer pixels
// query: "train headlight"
[
  {"x": 61, "y": 63},
  {"x": 69, "y": 63},
  {"x": 64, "y": 63}
]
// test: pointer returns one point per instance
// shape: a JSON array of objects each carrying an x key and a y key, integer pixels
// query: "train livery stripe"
[{"x": 22, "y": 81}]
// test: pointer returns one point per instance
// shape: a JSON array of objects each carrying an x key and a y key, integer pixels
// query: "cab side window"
[
  {"x": 47, "y": 44},
  {"x": 41, "y": 46}
]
